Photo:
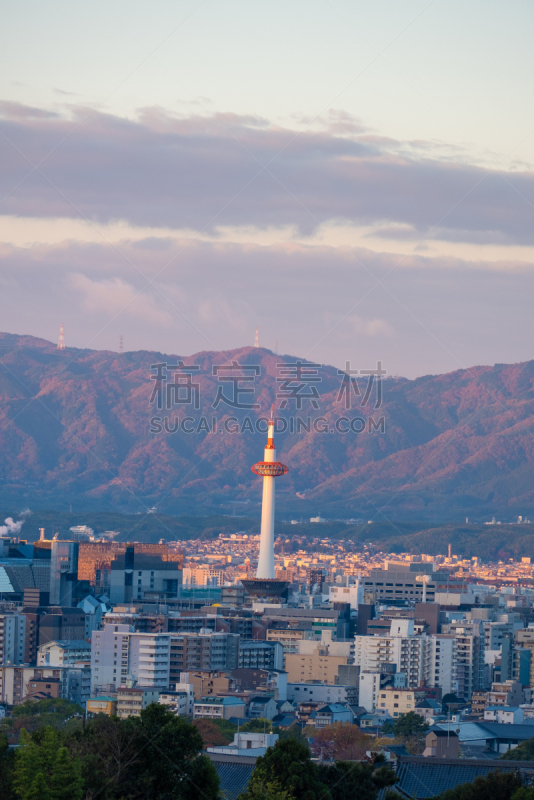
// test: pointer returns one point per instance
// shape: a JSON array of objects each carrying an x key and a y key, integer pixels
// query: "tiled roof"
[
  {"x": 234, "y": 778},
  {"x": 234, "y": 773},
  {"x": 427, "y": 777}
]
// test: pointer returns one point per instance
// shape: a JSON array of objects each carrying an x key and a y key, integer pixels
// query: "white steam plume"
[{"x": 10, "y": 527}]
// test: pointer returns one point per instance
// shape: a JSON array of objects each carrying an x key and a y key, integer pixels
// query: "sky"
[{"x": 355, "y": 179}]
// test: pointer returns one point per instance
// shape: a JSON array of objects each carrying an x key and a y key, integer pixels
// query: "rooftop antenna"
[
  {"x": 121, "y": 344},
  {"x": 61, "y": 342},
  {"x": 256, "y": 339}
]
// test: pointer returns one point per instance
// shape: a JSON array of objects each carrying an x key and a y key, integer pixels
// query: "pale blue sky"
[{"x": 451, "y": 71}]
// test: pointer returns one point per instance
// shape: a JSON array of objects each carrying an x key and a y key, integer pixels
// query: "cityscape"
[{"x": 266, "y": 400}]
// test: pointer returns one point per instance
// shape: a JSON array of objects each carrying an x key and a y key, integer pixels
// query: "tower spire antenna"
[
  {"x": 256, "y": 338},
  {"x": 61, "y": 342}
]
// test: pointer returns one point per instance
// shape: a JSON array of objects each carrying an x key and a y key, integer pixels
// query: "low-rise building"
[
  {"x": 394, "y": 702},
  {"x": 62, "y": 653},
  {"x": 181, "y": 701},
  {"x": 132, "y": 700},
  {"x": 219, "y": 708},
  {"x": 332, "y": 712},
  {"x": 322, "y": 693},
  {"x": 262, "y": 705},
  {"x": 102, "y": 705},
  {"x": 506, "y": 714}
]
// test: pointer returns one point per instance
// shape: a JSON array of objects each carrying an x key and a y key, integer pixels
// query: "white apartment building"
[
  {"x": 63, "y": 653},
  {"x": 470, "y": 647},
  {"x": 352, "y": 594},
  {"x": 119, "y": 654},
  {"x": 371, "y": 683},
  {"x": 322, "y": 693},
  {"x": 439, "y": 666},
  {"x": 110, "y": 651},
  {"x": 432, "y": 658},
  {"x": 401, "y": 647}
]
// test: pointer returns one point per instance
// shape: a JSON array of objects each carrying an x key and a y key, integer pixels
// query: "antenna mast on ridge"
[
  {"x": 61, "y": 342},
  {"x": 256, "y": 339}
]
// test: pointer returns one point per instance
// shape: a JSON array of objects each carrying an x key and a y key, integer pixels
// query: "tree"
[
  {"x": 293, "y": 732},
  {"x": 108, "y": 751},
  {"x": 34, "y": 715},
  {"x": 211, "y": 733},
  {"x": 410, "y": 724},
  {"x": 524, "y": 793},
  {"x": 168, "y": 750},
  {"x": 65, "y": 782},
  {"x": 7, "y": 766},
  {"x": 288, "y": 764},
  {"x": 494, "y": 786},
  {"x": 38, "y": 789},
  {"x": 449, "y": 699},
  {"x": 347, "y": 780},
  {"x": 340, "y": 741},
  {"x": 270, "y": 791},
  {"x": 525, "y": 752},
  {"x": 29, "y": 764}
]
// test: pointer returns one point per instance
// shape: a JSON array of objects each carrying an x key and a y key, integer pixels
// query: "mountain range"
[{"x": 82, "y": 429}]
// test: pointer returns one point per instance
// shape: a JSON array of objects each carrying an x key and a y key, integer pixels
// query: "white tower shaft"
[{"x": 266, "y": 556}]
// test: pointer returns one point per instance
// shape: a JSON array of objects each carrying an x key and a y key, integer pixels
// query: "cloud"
[
  {"x": 332, "y": 305},
  {"x": 116, "y": 296},
  {"x": 200, "y": 172}
]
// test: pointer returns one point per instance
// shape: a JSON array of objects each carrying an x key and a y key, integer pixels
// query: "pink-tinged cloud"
[
  {"x": 329, "y": 304},
  {"x": 202, "y": 172}
]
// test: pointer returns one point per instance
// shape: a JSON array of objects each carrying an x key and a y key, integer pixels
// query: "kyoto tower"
[{"x": 266, "y": 584}]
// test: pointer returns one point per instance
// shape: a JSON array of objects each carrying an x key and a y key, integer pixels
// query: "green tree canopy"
[
  {"x": 156, "y": 756},
  {"x": 449, "y": 699},
  {"x": 65, "y": 782},
  {"x": 410, "y": 724},
  {"x": 348, "y": 780},
  {"x": 293, "y": 732},
  {"x": 525, "y": 752},
  {"x": 495, "y": 786},
  {"x": 7, "y": 766},
  {"x": 288, "y": 764},
  {"x": 38, "y": 789}
]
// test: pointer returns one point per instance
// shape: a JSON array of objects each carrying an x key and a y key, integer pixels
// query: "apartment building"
[
  {"x": 205, "y": 652},
  {"x": 470, "y": 649},
  {"x": 12, "y": 637},
  {"x": 219, "y": 708},
  {"x": 118, "y": 654},
  {"x": 261, "y": 655},
  {"x": 59, "y": 654},
  {"x": 131, "y": 701},
  {"x": 401, "y": 647},
  {"x": 439, "y": 662},
  {"x": 371, "y": 682},
  {"x": 394, "y": 702},
  {"x": 525, "y": 638},
  {"x": 289, "y": 638},
  {"x": 17, "y": 683},
  {"x": 319, "y": 665}
]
